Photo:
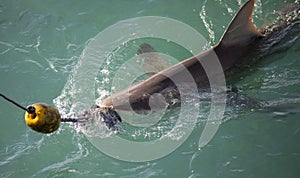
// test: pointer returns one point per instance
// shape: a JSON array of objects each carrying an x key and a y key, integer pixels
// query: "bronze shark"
[{"x": 240, "y": 39}]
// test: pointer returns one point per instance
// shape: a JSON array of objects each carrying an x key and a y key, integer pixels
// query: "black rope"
[
  {"x": 70, "y": 119},
  {"x": 31, "y": 109},
  {"x": 73, "y": 120}
]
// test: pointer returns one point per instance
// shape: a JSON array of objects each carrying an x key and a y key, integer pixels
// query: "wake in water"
[{"x": 285, "y": 33}]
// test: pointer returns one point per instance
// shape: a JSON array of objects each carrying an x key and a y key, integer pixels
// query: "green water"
[{"x": 40, "y": 44}]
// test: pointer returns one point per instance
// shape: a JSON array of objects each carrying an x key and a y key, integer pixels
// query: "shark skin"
[
  {"x": 239, "y": 40},
  {"x": 236, "y": 41}
]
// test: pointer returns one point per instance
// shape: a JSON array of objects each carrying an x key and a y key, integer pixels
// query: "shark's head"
[{"x": 107, "y": 114}]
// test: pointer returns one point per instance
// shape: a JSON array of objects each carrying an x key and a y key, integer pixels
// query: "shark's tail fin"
[{"x": 241, "y": 29}]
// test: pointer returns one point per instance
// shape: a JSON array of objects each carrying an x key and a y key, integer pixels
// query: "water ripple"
[{"x": 12, "y": 152}]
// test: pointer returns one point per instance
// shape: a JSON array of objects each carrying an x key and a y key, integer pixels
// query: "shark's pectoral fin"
[
  {"x": 151, "y": 60},
  {"x": 145, "y": 48},
  {"x": 241, "y": 30}
]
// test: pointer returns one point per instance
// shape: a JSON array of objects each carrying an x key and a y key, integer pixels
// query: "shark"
[{"x": 239, "y": 40}]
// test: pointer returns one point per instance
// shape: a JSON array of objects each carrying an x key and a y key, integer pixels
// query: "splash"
[{"x": 208, "y": 25}]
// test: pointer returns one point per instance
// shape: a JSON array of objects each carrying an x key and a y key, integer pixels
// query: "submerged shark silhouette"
[{"x": 240, "y": 38}]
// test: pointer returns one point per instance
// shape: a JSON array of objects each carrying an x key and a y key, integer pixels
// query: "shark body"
[{"x": 240, "y": 38}]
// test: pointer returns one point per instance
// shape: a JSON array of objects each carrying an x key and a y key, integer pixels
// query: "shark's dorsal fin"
[{"x": 241, "y": 29}]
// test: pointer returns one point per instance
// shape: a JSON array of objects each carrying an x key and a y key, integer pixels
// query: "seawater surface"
[{"x": 40, "y": 46}]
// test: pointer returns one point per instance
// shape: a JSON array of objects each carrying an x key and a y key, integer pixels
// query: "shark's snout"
[{"x": 108, "y": 115}]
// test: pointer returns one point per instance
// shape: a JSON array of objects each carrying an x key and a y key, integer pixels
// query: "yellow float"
[{"x": 42, "y": 118}]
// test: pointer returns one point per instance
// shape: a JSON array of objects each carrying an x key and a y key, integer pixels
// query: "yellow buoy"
[{"x": 42, "y": 118}]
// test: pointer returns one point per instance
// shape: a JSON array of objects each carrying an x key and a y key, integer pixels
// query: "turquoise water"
[{"x": 41, "y": 42}]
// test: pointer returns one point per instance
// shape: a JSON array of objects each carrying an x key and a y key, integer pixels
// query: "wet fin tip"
[{"x": 241, "y": 29}]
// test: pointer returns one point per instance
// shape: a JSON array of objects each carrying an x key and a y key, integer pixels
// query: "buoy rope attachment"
[{"x": 31, "y": 110}]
